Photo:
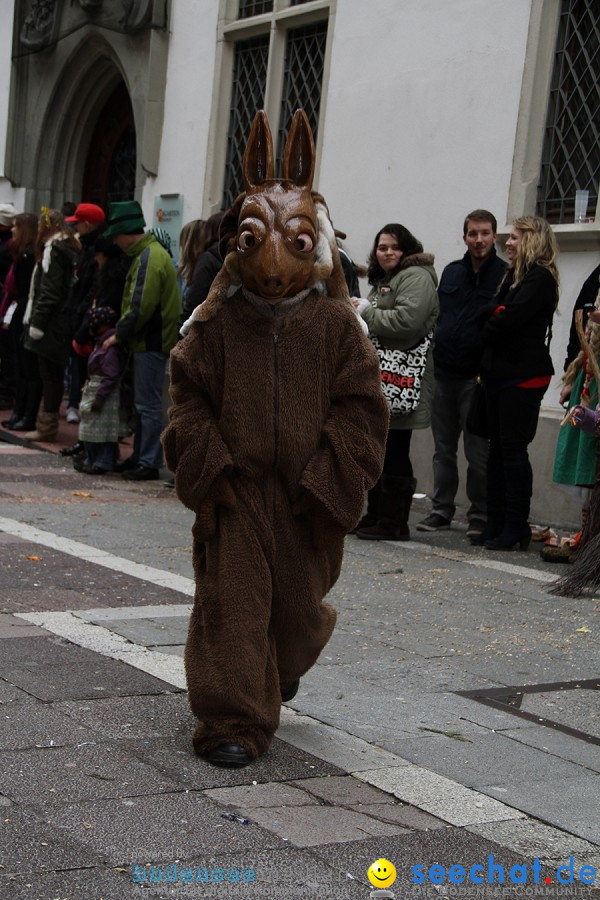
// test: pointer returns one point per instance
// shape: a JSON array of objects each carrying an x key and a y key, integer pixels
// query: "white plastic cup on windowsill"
[{"x": 581, "y": 202}]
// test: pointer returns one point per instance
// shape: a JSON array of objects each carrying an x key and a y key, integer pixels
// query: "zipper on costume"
[{"x": 275, "y": 407}]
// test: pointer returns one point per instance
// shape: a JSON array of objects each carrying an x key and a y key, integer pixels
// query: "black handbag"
[{"x": 477, "y": 418}]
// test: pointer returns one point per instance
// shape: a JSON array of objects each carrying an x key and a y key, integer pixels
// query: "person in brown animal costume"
[{"x": 277, "y": 429}]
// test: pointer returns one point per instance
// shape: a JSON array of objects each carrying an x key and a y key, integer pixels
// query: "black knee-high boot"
[
  {"x": 396, "y": 499},
  {"x": 518, "y": 480}
]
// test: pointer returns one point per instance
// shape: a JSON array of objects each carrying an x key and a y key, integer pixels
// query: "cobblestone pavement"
[{"x": 453, "y": 717}]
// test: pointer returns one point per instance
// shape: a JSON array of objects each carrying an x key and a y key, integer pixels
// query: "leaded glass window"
[
  {"x": 303, "y": 78},
  {"x": 571, "y": 153},
  {"x": 247, "y": 97},
  {"x": 250, "y": 8}
]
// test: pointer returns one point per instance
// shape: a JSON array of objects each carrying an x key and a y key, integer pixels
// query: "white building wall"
[
  {"x": 8, "y": 193},
  {"x": 188, "y": 100},
  {"x": 421, "y": 115}
]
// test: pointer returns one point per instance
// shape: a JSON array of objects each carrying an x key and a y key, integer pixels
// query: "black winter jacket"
[
  {"x": 462, "y": 293},
  {"x": 587, "y": 297},
  {"x": 517, "y": 339},
  {"x": 206, "y": 269},
  {"x": 86, "y": 275}
]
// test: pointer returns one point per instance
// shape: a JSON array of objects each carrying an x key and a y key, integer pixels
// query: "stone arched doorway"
[{"x": 110, "y": 167}]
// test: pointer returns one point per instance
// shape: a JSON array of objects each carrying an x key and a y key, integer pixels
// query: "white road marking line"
[
  {"x": 495, "y": 564},
  {"x": 71, "y": 625},
  {"x": 100, "y": 557}
]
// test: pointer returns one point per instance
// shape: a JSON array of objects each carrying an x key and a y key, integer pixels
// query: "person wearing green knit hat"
[
  {"x": 150, "y": 312},
  {"x": 124, "y": 217}
]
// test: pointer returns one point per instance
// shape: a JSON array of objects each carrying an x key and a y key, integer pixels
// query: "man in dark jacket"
[{"x": 465, "y": 286}]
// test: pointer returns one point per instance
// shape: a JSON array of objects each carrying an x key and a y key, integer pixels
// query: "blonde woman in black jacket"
[{"x": 517, "y": 369}]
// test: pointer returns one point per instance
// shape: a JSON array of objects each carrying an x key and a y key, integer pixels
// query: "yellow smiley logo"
[{"x": 381, "y": 873}]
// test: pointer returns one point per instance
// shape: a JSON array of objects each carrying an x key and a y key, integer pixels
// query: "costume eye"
[
  {"x": 304, "y": 243},
  {"x": 246, "y": 240}
]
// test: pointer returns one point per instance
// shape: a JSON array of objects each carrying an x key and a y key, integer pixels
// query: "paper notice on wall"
[{"x": 168, "y": 215}]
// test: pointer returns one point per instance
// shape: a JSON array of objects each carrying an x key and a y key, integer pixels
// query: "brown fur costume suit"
[{"x": 277, "y": 429}]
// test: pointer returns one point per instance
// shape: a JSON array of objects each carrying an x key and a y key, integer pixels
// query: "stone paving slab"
[
  {"x": 35, "y": 724},
  {"x": 52, "y": 669},
  {"x": 151, "y": 632},
  {"x": 448, "y": 847},
  {"x": 9, "y": 693},
  {"x": 380, "y": 714},
  {"x": 578, "y": 709},
  {"x": 174, "y": 757},
  {"x": 535, "y": 840},
  {"x": 259, "y": 795},
  {"x": 559, "y": 744},
  {"x": 158, "y": 715},
  {"x": 88, "y": 771},
  {"x": 489, "y": 756},
  {"x": 443, "y": 798},
  {"x": 11, "y": 627},
  {"x": 30, "y": 845},
  {"x": 75, "y": 885},
  {"x": 284, "y": 874},
  {"x": 525, "y": 666},
  {"x": 574, "y": 808},
  {"x": 310, "y": 826},
  {"x": 331, "y": 744},
  {"x": 157, "y": 829}
]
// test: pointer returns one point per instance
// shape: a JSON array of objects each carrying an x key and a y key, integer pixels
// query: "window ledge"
[{"x": 584, "y": 236}]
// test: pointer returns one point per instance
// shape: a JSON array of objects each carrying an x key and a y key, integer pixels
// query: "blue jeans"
[{"x": 148, "y": 379}]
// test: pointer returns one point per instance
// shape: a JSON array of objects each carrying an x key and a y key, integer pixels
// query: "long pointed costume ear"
[
  {"x": 299, "y": 156},
  {"x": 258, "y": 165}
]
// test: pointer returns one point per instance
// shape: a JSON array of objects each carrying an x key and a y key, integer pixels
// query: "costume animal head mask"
[{"x": 281, "y": 237}]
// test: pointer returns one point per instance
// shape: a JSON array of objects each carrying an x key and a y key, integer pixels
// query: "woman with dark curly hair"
[{"x": 401, "y": 309}]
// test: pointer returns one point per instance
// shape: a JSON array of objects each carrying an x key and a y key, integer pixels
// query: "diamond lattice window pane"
[
  {"x": 249, "y": 8},
  {"x": 247, "y": 97},
  {"x": 303, "y": 78},
  {"x": 571, "y": 154}
]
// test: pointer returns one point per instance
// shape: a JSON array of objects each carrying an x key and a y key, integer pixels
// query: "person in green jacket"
[
  {"x": 401, "y": 309},
  {"x": 148, "y": 329}
]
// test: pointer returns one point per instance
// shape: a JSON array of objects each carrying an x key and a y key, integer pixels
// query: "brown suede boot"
[{"x": 46, "y": 428}]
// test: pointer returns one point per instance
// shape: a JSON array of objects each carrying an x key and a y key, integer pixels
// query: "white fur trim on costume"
[{"x": 325, "y": 240}]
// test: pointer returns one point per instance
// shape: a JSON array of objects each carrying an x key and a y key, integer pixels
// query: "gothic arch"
[
  {"x": 88, "y": 78},
  {"x": 57, "y": 97}
]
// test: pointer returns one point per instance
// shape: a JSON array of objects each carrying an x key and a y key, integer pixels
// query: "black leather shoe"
[
  {"x": 23, "y": 425},
  {"x": 140, "y": 473},
  {"x": 122, "y": 465},
  {"x": 9, "y": 423},
  {"x": 288, "y": 693},
  {"x": 89, "y": 470},
  {"x": 73, "y": 450},
  {"x": 229, "y": 756}
]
